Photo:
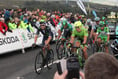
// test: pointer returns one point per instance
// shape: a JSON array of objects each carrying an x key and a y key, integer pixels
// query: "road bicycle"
[{"x": 44, "y": 57}]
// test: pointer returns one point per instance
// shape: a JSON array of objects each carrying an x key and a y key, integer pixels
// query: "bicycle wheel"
[
  {"x": 61, "y": 51},
  {"x": 38, "y": 63},
  {"x": 95, "y": 48},
  {"x": 57, "y": 45},
  {"x": 67, "y": 52},
  {"x": 50, "y": 57}
]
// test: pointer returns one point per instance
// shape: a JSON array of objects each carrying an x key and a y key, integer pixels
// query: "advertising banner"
[{"x": 18, "y": 39}]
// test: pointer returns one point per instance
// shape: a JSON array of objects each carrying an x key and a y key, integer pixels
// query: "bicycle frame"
[{"x": 79, "y": 57}]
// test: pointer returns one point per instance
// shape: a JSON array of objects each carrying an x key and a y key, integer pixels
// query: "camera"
[{"x": 72, "y": 65}]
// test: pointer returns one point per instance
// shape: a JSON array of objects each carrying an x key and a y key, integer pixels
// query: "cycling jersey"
[
  {"x": 103, "y": 33},
  {"x": 95, "y": 26},
  {"x": 90, "y": 25},
  {"x": 66, "y": 31},
  {"x": 81, "y": 34},
  {"x": 69, "y": 27},
  {"x": 46, "y": 33}
]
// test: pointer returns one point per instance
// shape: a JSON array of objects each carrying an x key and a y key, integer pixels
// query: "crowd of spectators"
[{"x": 11, "y": 19}]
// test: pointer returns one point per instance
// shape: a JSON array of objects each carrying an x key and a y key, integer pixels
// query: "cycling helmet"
[
  {"x": 101, "y": 23},
  {"x": 64, "y": 22},
  {"x": 88, "y": 20},
  {"x": 62, "y": 19},
  {"x": 97, "y": 19},
  {"x": 103, "y": 18},
  {"x": 77, "y": 24}
]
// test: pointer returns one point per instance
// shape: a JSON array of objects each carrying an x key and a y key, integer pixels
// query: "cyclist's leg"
[
  {"x": 85, "y": 51},
  {"x": 106, "y": 45},
  {"x": 77, "y": 44},
  {"x": 84, "y": 48},
  {"x": 93, "y": 36},
  {"x": 99, "y": 40},
  {"x": 43, "y": 43}
]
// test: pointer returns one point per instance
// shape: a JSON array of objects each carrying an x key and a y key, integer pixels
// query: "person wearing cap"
[
  {"x": 66, "y": 28},
  {"x": 81, "y": 34},
  {"x": 102, "y": 35},
  {"x": 47, "y": 34}
]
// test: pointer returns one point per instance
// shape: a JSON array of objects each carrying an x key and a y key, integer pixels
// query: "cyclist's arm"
[
  {"x": 92, "y": 31},
  {"x": 72, "y": 37},
  {"x": 48, "y": 40},
  {"x": 49, "y": 37},
  {"x": 96, "y": 36},
  {"x": 59, "y": 32},
  {"x": 85, "y": 40},
  {"x": 108, "y": 36},
  {"x": 85, "y": 36}
]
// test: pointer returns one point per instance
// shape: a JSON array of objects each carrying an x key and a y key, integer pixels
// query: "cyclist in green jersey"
[
  {"x": 105, "y": 20},
  {"x": 102, "y": 35},
  {"x": 81, "y": 34},
  {"x": 66, "y": 28}
]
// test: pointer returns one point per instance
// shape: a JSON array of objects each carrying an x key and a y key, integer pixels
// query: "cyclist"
[
  {"x": 66, "y": 28},
  {"x": 102, "y": 35},
  {"x": 47, "y": 37},
  {"x": 104, "y": 19},
  {"x": 81, "y": 34},
  {"x": 90, "y": 25},
  {"x": 47, "y": 34},
  {"x": 95, "y": 26}
]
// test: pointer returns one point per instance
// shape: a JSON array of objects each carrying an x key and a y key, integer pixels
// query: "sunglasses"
[
  {"x": 42, "y": 25},
  {"x": 77, "y": 27}
]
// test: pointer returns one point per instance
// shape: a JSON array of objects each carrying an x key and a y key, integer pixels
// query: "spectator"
[
  {"x": 63, "y": 76},
  {"x": 3, "y": 26},
  {"x": 52, "y": 20},
  {"x": 98, "y": 66},
  {"x": 12, "y": 25},
  {"x": 101, "y": 66},
  {"x": 7, "y": 15}
]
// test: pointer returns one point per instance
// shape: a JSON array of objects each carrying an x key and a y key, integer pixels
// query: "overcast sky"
[{"x": 108, "y": 2}]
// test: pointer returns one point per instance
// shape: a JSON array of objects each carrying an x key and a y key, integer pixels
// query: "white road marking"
[{"x": 56, "y": 61}]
